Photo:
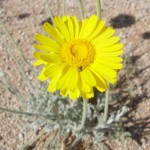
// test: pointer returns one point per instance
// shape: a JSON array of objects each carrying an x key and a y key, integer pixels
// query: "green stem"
[
  {"x": 12, "y": 90},
  {"x": 84, "y": 113},
  {"x": 19, "y": 67},
  {"x": 20, "y": 112},
  {"x": 58, "y": 8},
  {"x": 50, "y": 12},
  {"x": 51, "y": 139},
  {"x": 106, "y": 108},
  {"x": 32, "y": 143},
  {"x": 64, "y": 7},
  {"x": 98, "y": 8},
  {"x": 18, "y": 49},
  {"x": 49, "y": 117},
  {"x": 81, "y": 7}
]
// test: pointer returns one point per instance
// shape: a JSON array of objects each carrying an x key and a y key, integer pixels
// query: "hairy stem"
[
  {"x": 84, "y": 114},
  {"x": 19, "y": 67},
  {"x": 106, "y": 106},
  {"x": 64, "y": 7},
  {"x": 49, "y": 118},
  {"x": 32, "y": 143},
  {"x": 12, "y": 90},
  {"x": 58, "y": 2},
  {"x": 81, "y": 8},
  {"x": 18, "y": 49},
  {"x": 50, "y": 11},
  {"x": 98, "y": 8}
]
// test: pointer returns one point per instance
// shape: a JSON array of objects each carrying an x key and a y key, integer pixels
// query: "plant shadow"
[
  {"x": 122, "y": 20},
  {"x": 139, "y": 128},
  {"x": 23, "y": 16},
  {"x": 146, "y": 35}
]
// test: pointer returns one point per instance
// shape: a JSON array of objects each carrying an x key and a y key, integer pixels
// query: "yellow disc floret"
[{"x": 78, "y": 53}]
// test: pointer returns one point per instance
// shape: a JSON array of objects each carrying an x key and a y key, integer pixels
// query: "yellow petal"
[
  {"x": 89, "y": 26},
  {"x": 71, "y": 74},
  {"x": 64, "y": 92},
  {"x": 81, "y": 27},
  {"x": 109, "y": 64},
  {"x": 84, "y": 81},
  {"x": 44, "y": 40},
  {"x": 107, "y": 33},
  {"x": 88, "y": 94},
  {"x": 74, "y": 94},
  {"x": 41, "y": 76},
  {"x": 66, "y": 82},
  {"x": 62, "y": 27},
  {"x": 70, "y": 26},
  {"x": 88, "y": 77},
  {"x": 38, "y": 62},
  {"x": 109, "y": 49},
  {"x": 51, "y": 58},
  {"x": 101, "y": 84},
  {"x": 76, "y": 27},
  {"x": 109, "y": 59},
  {"x": 107, "y": 43},
  {"x": 111, "y": 54},
  {"x": 37, "y": 55},
  {"x": 53, "y": 32},
  {"x": 54, "y": 73},
  {"x": 53, "y": 70},
  {"x": 97, "y": 30},
  {"x": 52, "y": 84},
  {"x": 104, "y": 71},
  {"x": 43, "y": 48}
]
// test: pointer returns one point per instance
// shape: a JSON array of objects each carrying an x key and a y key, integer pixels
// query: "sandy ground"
[{"x": 130, "y": 18}]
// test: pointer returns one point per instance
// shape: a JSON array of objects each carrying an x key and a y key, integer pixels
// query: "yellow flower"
[{"x": 78, "y": 56}]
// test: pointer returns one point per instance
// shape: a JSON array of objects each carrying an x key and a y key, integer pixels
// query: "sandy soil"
[{"x": 130, "y": 18}]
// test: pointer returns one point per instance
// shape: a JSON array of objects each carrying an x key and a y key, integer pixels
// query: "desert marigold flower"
[{"x": 78, "y": 56}]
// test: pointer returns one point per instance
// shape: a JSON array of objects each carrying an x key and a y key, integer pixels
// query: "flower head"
[{"x": 78, "y": 56}]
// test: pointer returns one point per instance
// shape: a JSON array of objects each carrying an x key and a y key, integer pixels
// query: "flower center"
[{"x": 78, "y": 53}]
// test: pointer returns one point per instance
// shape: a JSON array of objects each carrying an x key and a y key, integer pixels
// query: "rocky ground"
[{"x": 130, "y": 18}]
